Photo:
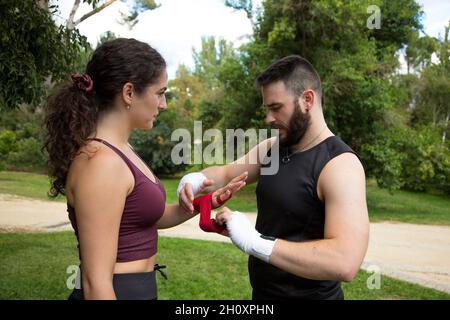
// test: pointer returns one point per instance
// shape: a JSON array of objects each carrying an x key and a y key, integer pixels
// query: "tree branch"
[{"x": 96, "y": 10}]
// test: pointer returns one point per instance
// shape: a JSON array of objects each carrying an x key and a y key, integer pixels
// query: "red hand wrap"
[{"x": 203, "y": 204}]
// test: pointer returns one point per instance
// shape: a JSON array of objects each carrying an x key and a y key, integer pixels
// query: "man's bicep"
[{"x": 343, "y": 187}]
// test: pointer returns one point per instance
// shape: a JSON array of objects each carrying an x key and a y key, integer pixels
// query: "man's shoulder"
[
  {"x": 341, "y": 174},
  {"x": 335, "y": 146}
]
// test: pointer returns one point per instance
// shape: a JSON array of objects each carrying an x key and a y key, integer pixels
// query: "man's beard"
[{"x": 296, "y": 129}]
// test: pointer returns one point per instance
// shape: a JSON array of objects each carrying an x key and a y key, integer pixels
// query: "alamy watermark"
[
  {"x": 374, "y": 20},
  {"x": 189, "y": 150},
  {"x": 74, "y": 279},
  {"x": 374, "y": 281}
]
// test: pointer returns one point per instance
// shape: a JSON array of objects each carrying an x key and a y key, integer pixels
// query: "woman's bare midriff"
[{"x": 143, "y": 265}]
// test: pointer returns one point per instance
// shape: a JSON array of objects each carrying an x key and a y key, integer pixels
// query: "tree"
[
  {"x": 210, "y": 62},
  {"x": 355, "y": 62},
  {"x": 33, "y": 51},
  {"x": 419, "y": 52},
  {"x": 186, "y": 90},
  {"x": 433, "y": 96}
]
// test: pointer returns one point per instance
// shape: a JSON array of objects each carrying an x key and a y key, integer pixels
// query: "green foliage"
[
  {"x": 8, "y": 143},
  {"x": 34, "y": 51},
  {"x": 419, "y": 51},
  {"x": 21, "y": 140},
  {"x": 413, "y": 159},
  {"x": 28, "y": 156},
  {"x": 354, "y": 61},
  {"x": 399, "y": 20}
]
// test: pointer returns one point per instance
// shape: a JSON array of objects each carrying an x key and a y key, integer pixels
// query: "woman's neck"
[{"x": 113, "y": 127}]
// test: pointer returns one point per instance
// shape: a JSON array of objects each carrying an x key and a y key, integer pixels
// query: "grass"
[
  {"x": 400, "y": 206},
  {"x": 34, "y": 265},
  {"x": 405, "y": 206},
  {"x": 25, "y": 184}
]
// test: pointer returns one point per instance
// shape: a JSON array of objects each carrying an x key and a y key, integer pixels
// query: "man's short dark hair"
[{"x": 297, "y": 74}]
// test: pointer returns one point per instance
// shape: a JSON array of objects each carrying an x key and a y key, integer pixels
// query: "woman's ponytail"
[{"x": 70, "y": 119}]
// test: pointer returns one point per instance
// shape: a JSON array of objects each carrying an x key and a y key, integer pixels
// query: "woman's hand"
[
  {"x": 186, "y": 195},
  {"x": 226, "y": 192},
  {"x": 186, "y": 190}
]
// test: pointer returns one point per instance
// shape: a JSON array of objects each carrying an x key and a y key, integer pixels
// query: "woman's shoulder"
[{"x": 96, "y": 161}]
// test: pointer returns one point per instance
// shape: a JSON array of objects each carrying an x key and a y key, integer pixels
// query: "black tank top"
[{"x": 289, "y": 209}]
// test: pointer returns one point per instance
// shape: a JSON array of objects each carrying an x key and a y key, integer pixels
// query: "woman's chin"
[{"x": 147, "y": 126}]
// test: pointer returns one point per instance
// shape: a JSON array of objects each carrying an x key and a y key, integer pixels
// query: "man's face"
[{"x": 283, "y": 112}]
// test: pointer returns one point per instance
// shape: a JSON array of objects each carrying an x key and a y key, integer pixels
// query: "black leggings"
[{"x": 129, "y": 286}]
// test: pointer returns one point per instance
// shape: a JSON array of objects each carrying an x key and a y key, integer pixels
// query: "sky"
[{"x": 178, "y": 25}]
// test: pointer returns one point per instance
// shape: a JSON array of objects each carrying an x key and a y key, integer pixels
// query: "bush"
[
  {"x": 8, "y": 143},
  {"x": 412, "y": 159},
  {"x": 21, "y": 141},
  {"x": 28, "y": 157}
]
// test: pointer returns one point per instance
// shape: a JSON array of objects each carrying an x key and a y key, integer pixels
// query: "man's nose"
[{"x": 269, "y": 118}]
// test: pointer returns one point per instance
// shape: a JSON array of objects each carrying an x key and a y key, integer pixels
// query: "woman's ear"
[{"x": 127, "y": 94}]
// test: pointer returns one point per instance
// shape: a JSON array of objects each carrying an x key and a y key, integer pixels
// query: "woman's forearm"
[
  {"x": 98, "y": 291},
  {"x": 173, "y": 216}
]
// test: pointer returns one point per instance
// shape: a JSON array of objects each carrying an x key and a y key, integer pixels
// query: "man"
[{"x": 312, "y": 227}]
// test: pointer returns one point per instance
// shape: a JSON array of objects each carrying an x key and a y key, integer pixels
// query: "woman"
[{"x": 115, "y": 202}]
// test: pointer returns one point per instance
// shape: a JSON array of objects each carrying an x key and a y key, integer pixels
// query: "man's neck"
[{"x": 316, "y": 133}]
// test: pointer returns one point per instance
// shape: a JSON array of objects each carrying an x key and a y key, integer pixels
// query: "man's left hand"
[{"x": 244, "y": 235}]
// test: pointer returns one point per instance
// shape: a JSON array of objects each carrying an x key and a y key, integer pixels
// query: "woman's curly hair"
[{"x": 72, "y": 111}]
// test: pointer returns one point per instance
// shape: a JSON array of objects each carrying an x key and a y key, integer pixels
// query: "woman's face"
[{"x": 147, "y": 105}]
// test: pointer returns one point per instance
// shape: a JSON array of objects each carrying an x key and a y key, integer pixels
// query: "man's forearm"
[
  {"x": 218, "y": 175},
  {"x": 317, "y": 260}
]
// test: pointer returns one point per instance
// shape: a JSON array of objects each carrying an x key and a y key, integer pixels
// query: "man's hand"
[{"x": 244, "y": 235}]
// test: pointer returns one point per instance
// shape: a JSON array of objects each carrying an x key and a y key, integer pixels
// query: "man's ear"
[
  {"x": 127, "y": 93},
  {"x": 308, "y": 97}
]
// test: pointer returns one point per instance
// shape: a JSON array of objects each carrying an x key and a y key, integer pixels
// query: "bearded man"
[{"x": 312, "y": 226}]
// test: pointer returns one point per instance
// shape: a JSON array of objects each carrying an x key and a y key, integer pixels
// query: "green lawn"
[
  {"x": 25, "y": 184},
  {"x": 404, "y": 206},
  {"x": 400, "y": 206},
  {"x": 33, "y": 266}
]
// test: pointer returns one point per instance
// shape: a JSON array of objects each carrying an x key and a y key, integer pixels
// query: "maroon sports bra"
[{"x": 144, "y": 206}]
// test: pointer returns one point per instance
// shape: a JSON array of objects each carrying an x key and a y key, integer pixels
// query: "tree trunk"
[
  {"x": 70, "y": 24},
  {"x": 445, "y": 129},
  {"x": 407, "y": 64}
]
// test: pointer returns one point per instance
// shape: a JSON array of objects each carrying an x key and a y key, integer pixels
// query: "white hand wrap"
[
  {"x": 246, "y": 238},
  {"x": 195, "y": 179}
]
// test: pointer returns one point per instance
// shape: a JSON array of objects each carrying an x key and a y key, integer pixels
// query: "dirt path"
[{"x": 415, "y": 253}]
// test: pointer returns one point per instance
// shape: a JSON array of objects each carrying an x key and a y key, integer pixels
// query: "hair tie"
[{"x": 83, "y": 82}]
